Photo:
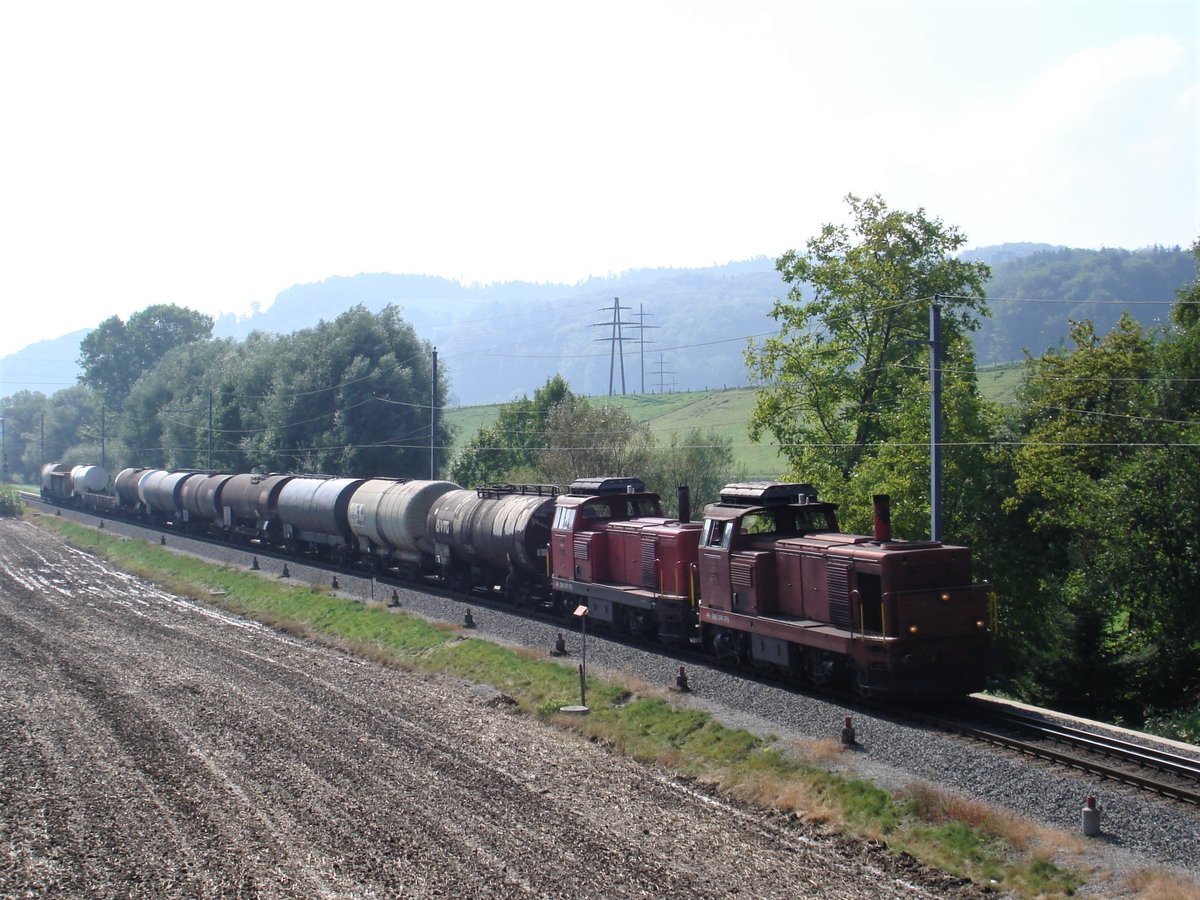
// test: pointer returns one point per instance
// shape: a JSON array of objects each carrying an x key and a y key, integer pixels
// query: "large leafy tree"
[
  {"x": 507, "y": 450},
  {"x": 1109, "y": 477},
  {"x": 584, "y": 439},
  {"x": 701, "y": 460},
  {"x": 844, "y": 388},
  {"x": 350, "y": 396},
  {"x": 23, "y": 414},
  {"x": 115, "y": 354}
]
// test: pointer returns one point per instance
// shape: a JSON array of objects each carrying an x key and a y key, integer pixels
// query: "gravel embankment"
[{"x": 1139, "y": 830}]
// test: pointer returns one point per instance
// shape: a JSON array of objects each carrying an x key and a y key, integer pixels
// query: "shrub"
[{"x": 10, "y": 503}]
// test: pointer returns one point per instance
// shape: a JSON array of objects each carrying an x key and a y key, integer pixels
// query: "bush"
[
  {"x": 1179, "y": 725},
  {"x": 10, "y": 503}
]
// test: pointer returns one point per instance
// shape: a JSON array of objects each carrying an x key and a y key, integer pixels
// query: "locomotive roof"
[
  {"x": 607, "y": 484},
  {"x": 768, "y": 493}
]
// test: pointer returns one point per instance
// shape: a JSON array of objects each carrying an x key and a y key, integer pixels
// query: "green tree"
[
  {"x": 844, "y": 382},
  {"x": 507, "y": 450},
  {"x": 115, "y": 354},
  {"x": 22, "y": 414},
  {"x": 1081, "y": 473},
  {"x": 702, "y": 460},
  {"x": 584, "y": 440},
  {"x": 350, "y": 396}
]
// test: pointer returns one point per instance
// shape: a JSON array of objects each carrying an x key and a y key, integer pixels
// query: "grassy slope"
[{"x": 726, "y": 412}]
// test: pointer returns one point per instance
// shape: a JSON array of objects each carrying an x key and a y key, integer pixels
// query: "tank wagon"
[
  {"x": 247, "y": 505},
  {"x": 495, "y": 538},
  {"x": 161, "y": 494},
  {"x": 313, "y": 515},
  {"x": 389, "y": 517},
  {"x": 64, "y": 482},
  {"x": 200, "y": 498},
  {"x": 766, "y": 580}
]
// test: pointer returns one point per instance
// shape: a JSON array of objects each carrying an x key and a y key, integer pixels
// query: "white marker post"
[{"x": 582, "y": 612}]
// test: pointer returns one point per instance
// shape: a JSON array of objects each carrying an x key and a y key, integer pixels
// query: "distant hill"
[
  {"x": 682, "y": 329},
  {"x": 45, "y": 367},
  {"x": 1035, "y": 295}
]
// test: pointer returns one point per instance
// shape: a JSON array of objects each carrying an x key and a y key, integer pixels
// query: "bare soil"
[{"x": 150, "y": 746}]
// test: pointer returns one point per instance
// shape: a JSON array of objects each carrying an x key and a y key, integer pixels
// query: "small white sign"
[{"x": 581, "y": 610}]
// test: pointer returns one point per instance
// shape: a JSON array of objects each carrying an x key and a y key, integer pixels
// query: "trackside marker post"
[
  {"x": 1090, "y": 818},
  {"x": 581, "y": 611}
]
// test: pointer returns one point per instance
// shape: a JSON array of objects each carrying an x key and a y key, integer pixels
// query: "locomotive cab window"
[
  {"x": 564, "y": 518},
  {"x": 815, "y": 519},
  {"x": 597, "y": 509},
  {"x": 642, "y": 506},
  {"x": 716, "y": 533},
  {"x": 757, "y": 523}
]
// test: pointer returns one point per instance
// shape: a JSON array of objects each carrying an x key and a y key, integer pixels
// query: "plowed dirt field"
[{"x": 150, "y": 746}]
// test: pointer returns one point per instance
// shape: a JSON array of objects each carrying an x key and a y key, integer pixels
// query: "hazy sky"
[{"x": 213, "y": 154}]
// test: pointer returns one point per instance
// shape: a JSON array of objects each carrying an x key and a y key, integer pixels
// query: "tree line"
[{"x": 347, "y": 396}]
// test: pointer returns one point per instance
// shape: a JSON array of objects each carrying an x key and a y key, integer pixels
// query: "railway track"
[
  {"x": 1092, "y": 751},
  {"x": 1037, "y": 736}
]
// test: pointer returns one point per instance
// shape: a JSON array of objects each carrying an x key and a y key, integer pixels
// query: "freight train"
[{"x": 767, "y": 580}]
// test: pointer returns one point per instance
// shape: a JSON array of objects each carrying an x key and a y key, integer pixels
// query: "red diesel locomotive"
[{"x": 768, "y": 580}]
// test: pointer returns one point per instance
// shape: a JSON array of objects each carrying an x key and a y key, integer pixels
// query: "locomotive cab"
[
  {"x": 783, "y": 588},
  {"x": 738, "y": 543},
  {"x": 612, "y": 549}
]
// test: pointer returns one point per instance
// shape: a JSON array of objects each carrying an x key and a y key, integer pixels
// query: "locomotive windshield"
[
  {"x": 790, "y": 521},
  {"x": 781, "y": 522},
  {"x": 620, "y": 506}
]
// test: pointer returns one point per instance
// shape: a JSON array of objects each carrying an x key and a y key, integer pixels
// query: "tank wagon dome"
[
  {"x": 393, "y": 513},
  {"x": 497, "y": 527},
  {"x": 51, "y": 469},
  {"x": 89, "y": 479}
]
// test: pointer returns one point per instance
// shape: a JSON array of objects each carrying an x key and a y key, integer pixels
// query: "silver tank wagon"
[
  {"x": 388, "y": 516},
  {"x": 503, "y": 530},
  {"x": 315, "y": 508}
]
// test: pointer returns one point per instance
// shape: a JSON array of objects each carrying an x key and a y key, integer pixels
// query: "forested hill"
[
  {"x": 1034, "y": 296},
  {"x": 502, "y": 341}
]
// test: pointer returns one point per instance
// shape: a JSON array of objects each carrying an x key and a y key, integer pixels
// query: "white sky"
[{"x": 213, "y": 154}]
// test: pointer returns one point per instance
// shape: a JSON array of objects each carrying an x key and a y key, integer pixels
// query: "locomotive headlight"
[
  {"x": 979, "y": 623},
  {"x": 913, "y": 629},
  {"x": 946, "y": 597}
]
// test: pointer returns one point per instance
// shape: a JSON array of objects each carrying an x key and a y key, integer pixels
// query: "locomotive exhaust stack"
[
  {"x": 882, "y": 517},
  {"x": 684, "y": 499}
]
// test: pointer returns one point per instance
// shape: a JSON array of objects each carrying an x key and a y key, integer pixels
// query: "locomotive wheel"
[
  {"x": 815, "y": 669},
  {"x": 727, "y": 647}
]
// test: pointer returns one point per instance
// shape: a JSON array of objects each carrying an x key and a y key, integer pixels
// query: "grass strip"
[{"x": 968, "y": 839}]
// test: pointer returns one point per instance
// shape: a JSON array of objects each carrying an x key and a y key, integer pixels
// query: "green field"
[{"x": 726, "y": 412}]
